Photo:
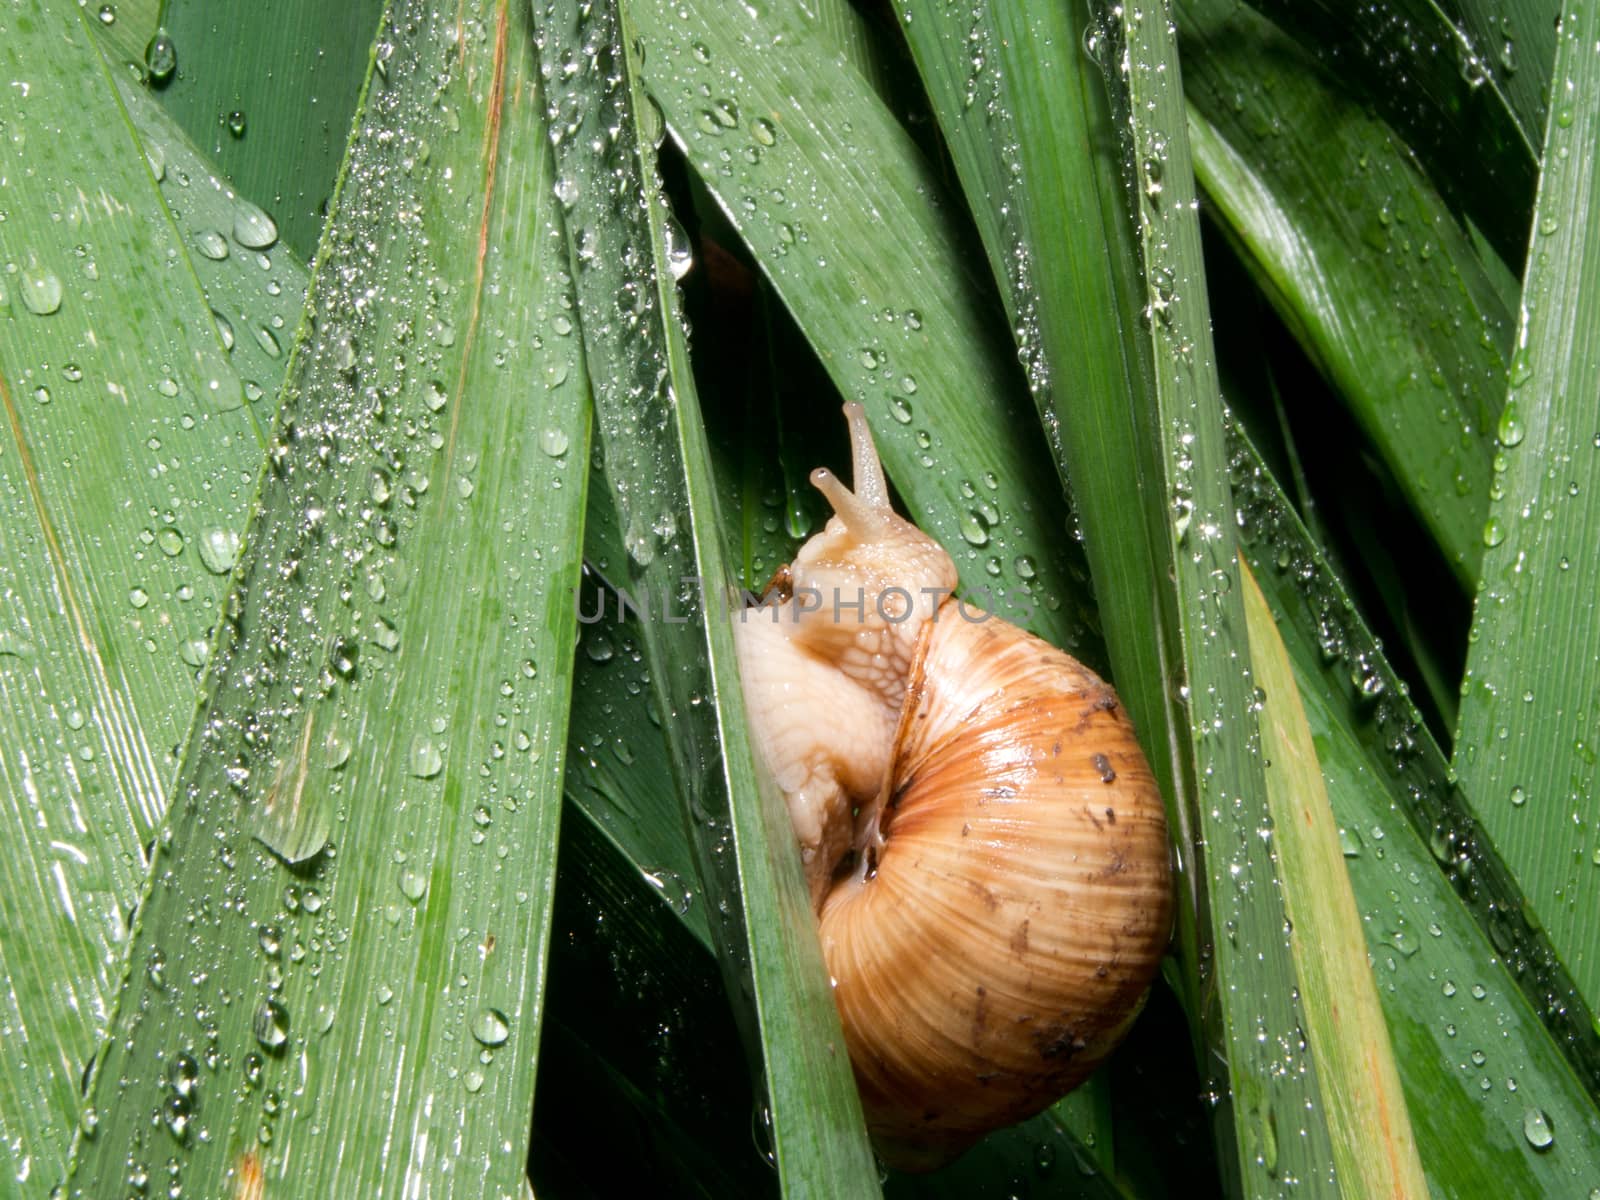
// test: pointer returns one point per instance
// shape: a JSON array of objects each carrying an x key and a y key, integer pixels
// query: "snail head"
[{"x": 867, "y": 583}]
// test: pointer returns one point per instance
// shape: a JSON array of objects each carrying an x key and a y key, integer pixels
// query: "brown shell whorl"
[{"x": 1021, "y": 900}]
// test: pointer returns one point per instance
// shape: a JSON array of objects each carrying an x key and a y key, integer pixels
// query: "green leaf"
[
  {"x": 1468, "y": 986},
  {"x": 107, "y": 356},
  {"x": 125, "y": 28},
  {"x": 854, "y": 229},
  {"x": 1373, "y": 1150},
  {"x": 1337, "y": 223},
  {"x": 255, "y": 284},
  {"x": 1527, "y": 743},
  {"x": 1148, "y": 482},
  {"x": 268, "y": 91},
  {"x": 394, "y": 670},
  {"x": 1468, "y": 73},
  {"x": 640, "y": 1059},
  {"x": 658, "y": 467},
  {"x": 619, "y": 765}
]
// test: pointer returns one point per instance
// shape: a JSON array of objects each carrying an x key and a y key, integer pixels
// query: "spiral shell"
[
  {"x": 982, "y": 837},
  {"x": 1021, "y": 899}
]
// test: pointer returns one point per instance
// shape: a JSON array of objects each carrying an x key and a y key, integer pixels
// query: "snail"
[{"x": 984, "y": 842}]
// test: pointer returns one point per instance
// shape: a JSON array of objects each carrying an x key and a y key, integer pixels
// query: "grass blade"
[
  {"x": 1333, "y": 216},
  {"x": 1472, "y": 73},
  {"x": 1374, "y": 1153},
  {"x": 268, "y": 91},
  {"x": 658, "y": 465},
  {"x": 254, "y": 283},
  {"x": 879, "y": 276},
  {"x": 398, "y": 961},
  {"x": 1527, "y": 744},
  {"x": 637, "y": 995},
  {"x": 125, "y": 29},
  {"x": 1486, "y": 1027},
  {"x": 1146, "y": 484},
  {"x": 107, "y": 355}
]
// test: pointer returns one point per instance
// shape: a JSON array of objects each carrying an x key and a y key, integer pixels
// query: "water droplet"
[
  {"x": 1537, "y": 1129},
  {"x": 1510, "y": 430},
  {"x": 490, "y": 1027},
  {"x": 271, "y": 1025},
  {"x": 974, "y": 530},
  {"x": 41, "y": 290},
  {"x": 219, "y": 550},
  {"x": 138, "y": 597},
  {"x": 176, "y": 1112},
  {"x": 1350, "y": 842},
  {"x": 553, "y": 442},
  {"x": 344, "y": 353},
  {"x": 235, "y": 121},
  {"x": 1518, "y": 796},
  {"x": 413, "y": 884},
  {"x": 183, "y": 1073},
  {"x": 212, "y": 244},
  {"x": 425, "y": 760},
  {"x": 1493, "y": 532},
  {"x": 763, "y": 131},
  {"x": 41, "y": 394},
  {"x": 252, "y": 227},
  {"x": 679, "y": 254},
  {"x": 271, "y": 941},
  {"x": 160, "y": 58}
]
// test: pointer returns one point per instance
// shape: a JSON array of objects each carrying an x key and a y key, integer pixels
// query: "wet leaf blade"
[
  {"x": 1438, "y": 906},
  {"x": 287, "y": 76},
  {"x": 131, "y": 26},
  {"x": 1374, "y": 1151},
  {"x": 255, "y": 285},
  {"x": 398, "y": 657},
  {"x": 1333, "y": 215},
  {"x": 107, "y": 356},
  {"x": 1526, "y": 744},
  {"x": 1447, "y": 76},
  {"x": 658, "y": 467},
  {"x": 857, "y": 233},
  {"x": 1148, "y": 479}
]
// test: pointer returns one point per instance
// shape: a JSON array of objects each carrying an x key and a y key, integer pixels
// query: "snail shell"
[{"x": 985, "y": 843}]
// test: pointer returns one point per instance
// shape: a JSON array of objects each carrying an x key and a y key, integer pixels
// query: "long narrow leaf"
[
  {"x": 268, "y": 91},
  {"x": 255, "y": 285},
  {"x": 1374, "y": 1152},
  {"x": 1487, "y": 1029},
  {"x": 1337, "y": 222},
  {"x": 126, "y": 451},
  {"x": 1527, "y": 747},
  {"x": 658, "y": 467},
  {"x": 1472, "y": 72},
  {"x": 335, "y": 915}
]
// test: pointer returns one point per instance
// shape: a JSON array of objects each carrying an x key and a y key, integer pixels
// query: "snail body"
[{"x": 983, "y": 839}]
